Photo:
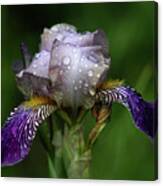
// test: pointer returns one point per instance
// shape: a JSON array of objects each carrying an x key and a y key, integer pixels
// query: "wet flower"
[
  {"x": 73, "y": 63},
  {"x": 68, "y": 74}
]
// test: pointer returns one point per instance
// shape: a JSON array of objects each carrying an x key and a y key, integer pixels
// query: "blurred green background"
[{"x": 121, "y": 151}]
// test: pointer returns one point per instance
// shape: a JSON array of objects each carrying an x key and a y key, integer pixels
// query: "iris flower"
[{"x": 68, "y": 74}]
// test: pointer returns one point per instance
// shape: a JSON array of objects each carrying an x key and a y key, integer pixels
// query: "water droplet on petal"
[
  {"x": 80, "y": 81},
  {"x": 98, "y": 75},
  {"x": 82, "y": 59},
  {"x": 86, "y": 85},
  {"x": 34, "y": 73},
  {"x": 75, "y": 88},
  {"x": 66, "y": 60},
  {"x": 74, "y": 50},
  {"x": 86, "y": 66},
  {"x": 90, "y": 73},
  {"x": 37, "y": 55},
  {"x": 34, "y": 65},
  {"x": 96, "y": 65},
  {"x": 92, "y": 91},
  {"x": 69, "y": 67}
]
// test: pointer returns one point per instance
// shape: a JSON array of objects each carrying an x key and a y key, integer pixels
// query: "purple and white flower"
[{"x": 66, "y": 74}]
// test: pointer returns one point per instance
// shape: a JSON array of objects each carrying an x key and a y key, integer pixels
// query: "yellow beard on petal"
[
  {"x": 110, "y": 84},
  {"x": 36, "y": 101}
]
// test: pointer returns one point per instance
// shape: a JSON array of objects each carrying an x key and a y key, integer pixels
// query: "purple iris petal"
[
  {"x": 144, "y": 113},
  {"x": 19, "y": 132},
  {"x": 14, "y": 144}
]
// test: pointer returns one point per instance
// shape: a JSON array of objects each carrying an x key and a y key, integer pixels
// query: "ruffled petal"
[{"x": 20, "y": 130}]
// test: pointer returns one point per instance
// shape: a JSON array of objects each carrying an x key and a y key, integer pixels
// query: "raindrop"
[
  {"x": 34, "y": 65},
  {"x": 96, "y": 65},
  {"x": 86, "y": 65},
  {"x": 80, "y": 81},
  {"x": 74, "y": 50},
  {"x": 66, "y": 60},
  {"x": 86, "y": 85},
  {"x": 75, "y": 88},
  {"x": 34, "y": 73},
  {"x": 76, "y": 55},
  {"x": 92, "y": 91},
  {"x": 82, "y": 59},
  {"x": 69, "y": 67},
  {"x": 90, "y": 73},
  {"x": 98, "y": 75},
  {"x": 37, "y": 55}
]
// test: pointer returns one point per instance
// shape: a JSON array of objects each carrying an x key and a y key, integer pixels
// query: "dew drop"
[
  {"x": 86, "y": 85},
  {"x": 92, "y": 91},
  {"x": 98, "y": 75},
  {"x": 37, "y": 55},
  {"x": 66, "y": 60},
  {"x": 96, "y": 65},
  {"x": 90, "y": 73},
  {"x": 74, "y": 50},
  {"x": 34, "y": 65},
  {"x": 80, "y": 81},
  {"x": 75, "y": 88},
  {"x": 82, "y": 59},
  {"x": 34, "y": 73},
  {"x": 86, "y": 66},
  {"x": 69, "y": 67}
]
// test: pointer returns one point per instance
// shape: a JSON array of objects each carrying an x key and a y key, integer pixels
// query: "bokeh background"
[{"x": 121, "y": 151}]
